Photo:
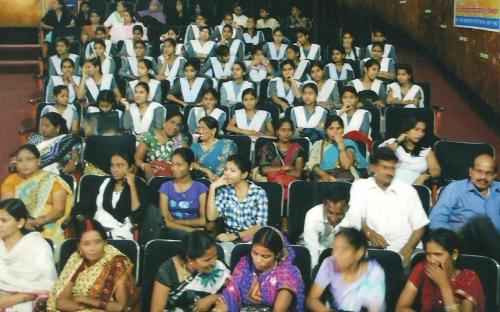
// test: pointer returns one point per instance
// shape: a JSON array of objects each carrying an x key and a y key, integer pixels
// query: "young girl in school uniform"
[
  {"x": 355, "y": 119},
  {"x": 173, "y": 33},
  {"x": 202, "y": 48},
  {"x": 338, "y": 69},
  {"x": 67, "y": 79},
  {"x": 170, "y": 65},
  {"x": 285, "y": 91},
  {"x": 100, "y": 33},
  {"x": 219, "y": 67},
  {"x": 352, "y": 52},
  {"x": 370, "y": 82},
  {"x": 129, "y": 68},
  {"x": 62, "y": 52},
  {"x": 144, "y": 69},
  {"x": 107, "y": 62},
  {"x": 232, "y": 91},
  {"x": 188, "y": 90},
  {"x": 228, "y": 20},
  {"x": 309, "y": 119},
  {"x": 389, "y": 50},
  {"x": 328, "y": 90},
  {"x": 193, "y": 30},
  {"x": 93, "y": 81},
  {"x": 276, "y": 50},
  {"x": 404, "y": 92},
  {"x": 251, "y": 36},
  {"x": 128, "y": 47},
  {"x": 308, "y": 51},
  {"x": 208, "y": 108},
  {"x": 63, "y": 108},
  {"x": 106, "y": 104},
  {"x": 387, "y": 70},
  {"x": 302, "y": 67},
  {"x": 250, "y": 120},
  {"x": 235, "y": 45}
]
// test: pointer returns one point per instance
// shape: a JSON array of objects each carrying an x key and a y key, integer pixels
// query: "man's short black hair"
[
  {"x": 383, "y": 153},
  {"x": 336, "y": 193}
]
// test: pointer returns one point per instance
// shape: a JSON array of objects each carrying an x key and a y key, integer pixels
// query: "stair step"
[
  {"x": 19, "y": 67},
  {"x": 20, "y": 52}
]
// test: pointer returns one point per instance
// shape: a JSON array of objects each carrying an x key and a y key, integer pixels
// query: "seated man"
[
  {"x": 387, "y": 211},
  {"x": 471, "y": 207},
  {"x": 321, "y": 221}
]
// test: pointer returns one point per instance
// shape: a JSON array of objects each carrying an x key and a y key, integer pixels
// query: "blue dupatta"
[
  {"x": 330, "y": 156},
  {"x": 216, "y": 157}
]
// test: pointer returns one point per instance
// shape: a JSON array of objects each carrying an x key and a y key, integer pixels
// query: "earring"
[{"x": 20, "y": 227}]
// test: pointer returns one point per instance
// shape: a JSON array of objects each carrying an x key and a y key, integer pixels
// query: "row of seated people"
[{"x": 266, "y": 276}]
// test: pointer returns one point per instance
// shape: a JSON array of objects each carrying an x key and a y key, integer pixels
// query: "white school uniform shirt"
[
  {"x": 387, "y": 49},
  {"x": 255, "y": 124},
  {"x": 327, "y": 89},
  {"x": 56, "y": 62},
  {"x": 384, "y": 64},
  {"x": 356, "y": 121},
  {"x": 313, "y": 52},
  {"x": 352, "y": 56},
  {"x": 231, "y": 95},
  {"x": 170, "y": 72},
  {"x": 274, "y": 54},
  {"x": 90, "y": 48},
  {"x": 410, "y": 95},
  {"x": 318, "y": 233},
  {"x": 375, "y": 87},
  {"x": 67, "y": 114},
  {"x": 394, "y": 213},
  {"x": 332, "y": 71},
  {"x": 240, "y": 20},
  {"x": 153, "y": 86},
  {"x": 409, "y": 167},
  {"x": 59, "y": 81},
  {"x": 314, "y": 120}
]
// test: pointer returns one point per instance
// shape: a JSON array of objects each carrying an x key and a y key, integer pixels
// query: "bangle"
[
  {"x": 453, "y": 307},
  {"x": 143, "y": 165},
  {"x": 103, "y": 305}
]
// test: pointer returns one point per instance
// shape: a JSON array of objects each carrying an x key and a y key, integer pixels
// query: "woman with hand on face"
[
  {"x": 27, "y": 270},
  {"x": 155, "y": 149},
  {"x": 46, "y": 195},
  {"x": 97, "y": 276},
  {"x": 331, "y": 159},
  {"x": 67, "y": 78},
  {"x": 265, "y": 280},
  {"x": 211, "y": 153},
  {"x": 404, "y": 92},
  {"x": 93, "y": 81},
  {"x": 417, "y": 163},
  {"x": 443, "y": 286},
  {"x": 355, "y": 119},
  {"x": 118, "y": 202},
  {"x": 190, "y": 280}
]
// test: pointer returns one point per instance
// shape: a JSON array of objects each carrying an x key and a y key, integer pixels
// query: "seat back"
[
  {"x": 424, "y": 193},
  {"x": 154, "y": 185},
  {"x": 302, "y": 260},
  {"x": 396, "y": 116},
  {"x": 274, "y": 193},
  {"x": 243, "y": 142},
  {"x": 99, "y": 149},
  {"x": 70, "y": 180},
  {"x": 155, "y": 253},
  {"x": 128, "y": 247},
  {"x": 262, "y": 141},
  {"x": 487, "y": 269},
  {"x": 302, "y": 196},
  {"x": 88, "y": 182},
  {"x": 455, "y": 158},
  {"x": 426, "y": 87}
]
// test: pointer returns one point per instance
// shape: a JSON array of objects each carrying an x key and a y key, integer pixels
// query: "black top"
[{"x": 51, "y": 19}]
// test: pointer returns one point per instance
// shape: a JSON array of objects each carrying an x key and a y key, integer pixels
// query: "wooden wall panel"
[
  {"x": 20, "y": 13},
  {"x": 463, "y": 59}
]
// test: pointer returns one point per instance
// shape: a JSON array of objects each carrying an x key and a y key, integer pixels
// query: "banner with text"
[{"x": 478, "y": 14}]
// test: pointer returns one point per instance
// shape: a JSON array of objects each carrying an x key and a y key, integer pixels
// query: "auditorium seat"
[{"x": 274, "y": 193}]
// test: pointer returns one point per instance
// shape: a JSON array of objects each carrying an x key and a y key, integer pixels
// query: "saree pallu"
[
  {"x": 56, "y": 150},
  {"x": 216, "y": 157},
  {"x": 35, "y": 193},
  {"x": 99, "y": 281}
]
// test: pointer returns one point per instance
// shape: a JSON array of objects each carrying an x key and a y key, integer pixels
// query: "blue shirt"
[{"x": 461, "y": 201}]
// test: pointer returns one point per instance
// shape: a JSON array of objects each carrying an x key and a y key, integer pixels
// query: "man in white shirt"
[
  {"x": 387, "y": 211},
  {"x": 321, "y": 221}
]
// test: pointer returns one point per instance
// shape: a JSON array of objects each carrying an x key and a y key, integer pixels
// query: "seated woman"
[
  {"x": 173, "y": 33},
  {"x": 116, "y": 17},
  {"x": 309, "y": 119},
  {"x": 417, "y": 162},
  {"x": 266, "y": 279},
  {"x": 106, "y": 104},
  {"x": 63, "y": 108},
  {"x": 405, "y": 92},
  {"x": 302, "y": 66},
  {"x": 282, "y": 157},
  {"x": 250, "y": 120},
  {"x": 219, "y": 67},
  {"x": 328, "y": 89},
  {"x": 219, "y": 29},
  {"x": 27, "y": 271},
  {"x": 276, "y": 50},
  {"x": 107, "y": 62},
  {"x": 355, "y": 283},
  {"x": 182, "y": 200},
  {"x": 355, "y": 119},
  {"x": 128, "y": 45},
  {"x": 285, "y": 91},
  {"x": 331, "y": 159},
  {"x": 188, "y": 90},
  {"x": 102, "y": 34},
  {"x": 56, "y": 20},
  {"x": 123, "y": 31},
  {"x": 211, "y": 153},
  {"x": 387, "y": 70},
  {"x": 231, "y": 91},
  {"x": 97, "y": 276},
  {"x": 169, "y": 65},
  {"x": 89, "y": 30},
  {"x": 308, "y": 51},
  {"x": 251, "y": 36},
  {"x": 352, "y": 52},
  {"x": 296, "y": 20},
  {"x": 153, "y": 16},
  {"x": 144, "y": 69},
  {"x": 440, "y": 283},
  {"x": 388, "y": 50},
  {"x": 258, "y": 67},
  {"x": 130, "y": 66},
  {"x": 338, "y": 69},
  {"x": 59, "y": 150},
  {"x": 208, "y": 108},
  {"x": 190, "y": 280},
  {"x": 62, "y": 52},
  {"x": 143, "y": 115},
  {"x": 156, "y": 147},
  {"x": 266, "y": 20},
  {"x": 48, "y": 198},
  {"x": 370, "y": 82},
  {"x": 202, "y": 47},
  {"x": 68, "y": 79},
  {"x": 93, "y": 81},
  {"x": 235, "y": 46},
  {"x": 193, "y": 30},
  {"x": 241, "y": 204}
]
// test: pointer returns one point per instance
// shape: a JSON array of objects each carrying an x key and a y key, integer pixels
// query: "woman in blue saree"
[{"x": 211, "y": 153}]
